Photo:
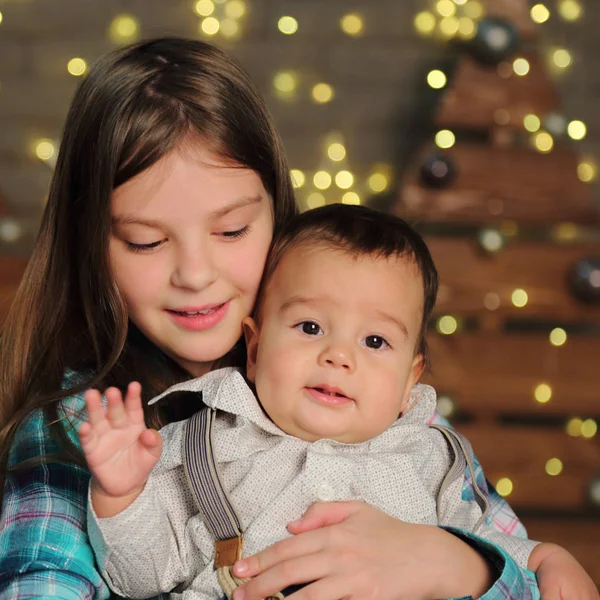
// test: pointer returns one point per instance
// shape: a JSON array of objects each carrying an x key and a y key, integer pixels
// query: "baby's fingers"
[
  {"x": 88, "y": 438},
  {"x": 133, "y": 402},
  {"x": 115, "y": 409},
  {"x": 151, "y": 440},
  {"x": 95, "y": 410}
]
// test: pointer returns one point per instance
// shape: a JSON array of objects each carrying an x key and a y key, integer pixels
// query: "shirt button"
[
  {"x": 325, "y": 493},
  {"x": 327, "y": 449}
]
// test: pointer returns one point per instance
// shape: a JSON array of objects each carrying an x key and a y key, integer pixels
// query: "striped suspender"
[
  {"x": 203, "y": 479},
  {"x": 462, "y": 457}
]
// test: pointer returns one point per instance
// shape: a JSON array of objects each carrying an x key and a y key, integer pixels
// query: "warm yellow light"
[
  {"x": 521, "y": 66},
  {"x": 229, "y": 27},
  {"x": 561, "y": 58},
  {"x": 589, "y": 428},
  {"x": 336, "y": 151},
  {"x": 205, "y": 8},
  {"x": 436, "y": 79},
  {"x": 77, "y": 67},
  {"x": 210, "y": 26},
  {"x": 449, "y": 26},
  {"x": 447, "y": 325},
  {"x": 322, "y": 180},
  {"x": 574, "y": 427},
  {"x": 532, "y": 123},
  {"x": 543, "y": 393},
  {"x": 445, "y": 138},
  {"x": 460, "y": 2},
  {"x": 352, "y": 24},
  {"x": 576, "y": 130},
  {"x": 558, "y": 336},
  {"x": 378, "y": 182},
  {"x": 466, "y": 28},
  {"x": 1, "y": 17},
  {"x": 554, "y": 467},
  {"x": 491, "y": 301},
  {"x": 322, "y": 93},
  {"x": 543, "y": 141},
  {"x": 504, "y": 486},
  {"x": 287, "y": 25},
  {"x": 474, "y": 9},
  {"x": 492, "y": 240},
  {"x": 570, "y": 10},
  {"x": 351, "y": 198},
  {"x": 587, "y": 171},
  {"x": 539, "y": 13},
  {"x": 235, "y": 9},
  {"x": 44, "y": 149},
  {"x": 425, "y": 23},
  {"x": 344, "y": 179},
  {"x": 123, "y": 28},
  {"x": 298, "y": 178},
  {"x": 519, "y": 298},
  {"x": 445, "y": 406},
  {"x": 315, "y": 200},
  {"x": 445, "y": 8},
  {"x": 565, "y": 231},
  {"x": 285, "y": 82}
]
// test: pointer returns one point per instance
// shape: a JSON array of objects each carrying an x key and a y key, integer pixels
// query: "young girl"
[{"x": 170, "y": 182}]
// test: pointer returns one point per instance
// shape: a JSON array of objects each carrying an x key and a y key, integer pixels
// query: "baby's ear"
[{"x": 251, "y": 335}]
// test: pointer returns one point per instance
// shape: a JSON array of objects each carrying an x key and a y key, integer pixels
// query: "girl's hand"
[
  {"x": 560, "y": 576},
  {"x": 351, "y": 550},
  {"x": 119, "y": 449}
]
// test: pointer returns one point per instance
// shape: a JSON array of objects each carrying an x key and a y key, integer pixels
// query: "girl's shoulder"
[{"x": 33, "y": 435}]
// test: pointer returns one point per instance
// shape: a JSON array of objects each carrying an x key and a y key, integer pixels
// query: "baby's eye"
[
  {"x": 376, "y": 342},
  {"x": 309, "y": 328}
]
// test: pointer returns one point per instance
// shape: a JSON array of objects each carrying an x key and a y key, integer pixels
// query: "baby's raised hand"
[{"x": 120, "y": 450}]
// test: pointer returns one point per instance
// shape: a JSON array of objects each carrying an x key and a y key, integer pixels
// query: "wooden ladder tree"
[{"x": 514, "y": 233}]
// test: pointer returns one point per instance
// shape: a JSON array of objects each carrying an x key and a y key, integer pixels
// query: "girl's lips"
[
  {"x": 194, "y": 320},
  {"x": 328, "y": 397}
]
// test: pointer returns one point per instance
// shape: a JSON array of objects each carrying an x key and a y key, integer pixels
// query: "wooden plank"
[
  {"x": 542, "y": 269},
  {"x": 578, "y": 536},
  {"x": 520, "y": 454},
  {"x": 491, "y": 373},
  {"x": 495, "y": 184},
  {"x": 479, "y": 98}
]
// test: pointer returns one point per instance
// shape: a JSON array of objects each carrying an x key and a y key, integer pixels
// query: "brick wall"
[{"x": 376, "y": 78}]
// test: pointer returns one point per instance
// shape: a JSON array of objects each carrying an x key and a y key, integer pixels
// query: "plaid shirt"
[{"x": 45, "y": 551}]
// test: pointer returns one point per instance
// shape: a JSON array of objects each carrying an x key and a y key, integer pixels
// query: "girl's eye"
[
  {"x": 376, "y": 342},
  {"x": 143, "y": 247},
  {"x": 231, "y": 235},
  {"x": 309, "y": 328}
]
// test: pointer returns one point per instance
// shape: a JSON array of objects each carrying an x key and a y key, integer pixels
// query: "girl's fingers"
[
  {"x": 95, "y": 410},
  {"x": 115, "y": 410},
  {"x": 328, "y": 588},
  {"x": 322, "y": 514},
  {"x": 290, "y": 548},
  {"x": 88, "y": 438},
  {"x": 295, "y": 571}
]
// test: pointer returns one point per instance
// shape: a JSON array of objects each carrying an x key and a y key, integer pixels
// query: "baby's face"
[{"x": 334, "y": 355}]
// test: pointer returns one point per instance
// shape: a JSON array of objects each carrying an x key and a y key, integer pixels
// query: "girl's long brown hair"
[{"x": 136, "y": 105}]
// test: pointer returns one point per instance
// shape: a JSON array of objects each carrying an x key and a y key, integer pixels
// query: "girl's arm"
[{"x": 44, "y": 547}]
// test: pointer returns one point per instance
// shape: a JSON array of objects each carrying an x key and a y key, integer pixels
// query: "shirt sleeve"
[
  {"x": 500, "y": 515},
  {"x": 511, "y": 582},
  {"x": 138, "y": 550},
  {"x": 44, "y": 547}
]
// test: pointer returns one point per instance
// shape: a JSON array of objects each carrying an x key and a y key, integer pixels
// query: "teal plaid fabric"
[{"x": 44, "y": 549}]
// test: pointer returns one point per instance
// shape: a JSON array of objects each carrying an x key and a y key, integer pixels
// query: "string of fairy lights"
[
  {"x": 334, "y": 180},
  {"x": 449, "y": 20}
]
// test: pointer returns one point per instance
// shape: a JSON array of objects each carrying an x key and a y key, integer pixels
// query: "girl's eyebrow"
[
  {"x": 133, "y": 219},
  {"x": 239, "y": 203}
]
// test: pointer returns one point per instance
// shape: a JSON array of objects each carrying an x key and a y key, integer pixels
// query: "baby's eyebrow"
[
  {"x": 385, "y": 317},
  {"x": 296, "y": 300}
]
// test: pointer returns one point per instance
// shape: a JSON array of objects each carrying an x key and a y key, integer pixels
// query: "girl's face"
[{"x": 188, "y": 244}]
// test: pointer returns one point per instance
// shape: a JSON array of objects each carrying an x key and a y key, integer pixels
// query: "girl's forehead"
[{"x": 193, "y": 182}]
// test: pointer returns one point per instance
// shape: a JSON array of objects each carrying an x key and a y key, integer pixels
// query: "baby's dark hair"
[{"x": 359, "y": 231}]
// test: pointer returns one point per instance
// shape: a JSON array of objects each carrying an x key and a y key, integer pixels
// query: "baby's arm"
[
  {"x": 120, "y": 450},
  {"x": 137, "y": 547}
]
